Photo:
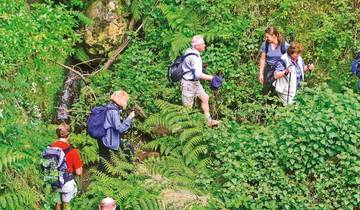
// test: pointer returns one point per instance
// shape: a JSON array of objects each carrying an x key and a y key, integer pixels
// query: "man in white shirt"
[
  {"x": 107, "y": 204},
  {"x": 193, "y": 73}
]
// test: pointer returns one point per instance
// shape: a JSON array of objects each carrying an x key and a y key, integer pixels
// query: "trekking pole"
[{"x": 287, "y": 100}]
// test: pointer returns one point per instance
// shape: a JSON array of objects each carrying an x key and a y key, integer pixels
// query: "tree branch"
[
  {"x": 121, "y": 48},
  {"x": 73, "y": 70},
  {"x": 88, "y": 61}
]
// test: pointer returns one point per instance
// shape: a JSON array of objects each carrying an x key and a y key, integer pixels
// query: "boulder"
[{"x": 107, "y": 29}]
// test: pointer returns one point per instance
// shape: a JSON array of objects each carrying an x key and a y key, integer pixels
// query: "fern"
[
  {"x": 88, "y": 148},
  {"x": 180, "y": 20},
  {"x": 189, "y": 133},
  {"x": 164, "y": 144},
  {"x": 190, "y": 144},
  {"x": 195, "y": 153},
  {"x": 185, "y": 134},
  {"x": 9, "y": 158},
  {"x": 203, "y": 164},
  {"x": 128, "y": 193},
  {"x": 22, "y": 197},
  {"x": 174, "y": 170},
  {"x": 178, "y": 43},
  {"x": 118, "y": 165},
  {"x": 17, "y": 189}
]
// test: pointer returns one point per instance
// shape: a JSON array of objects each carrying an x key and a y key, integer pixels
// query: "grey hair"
[{"x": 197, "y": 40}]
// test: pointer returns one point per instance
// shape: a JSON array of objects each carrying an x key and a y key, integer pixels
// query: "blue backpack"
[
  {"x": 95, "y": 123},
  {"x": 355, "y": 65}
]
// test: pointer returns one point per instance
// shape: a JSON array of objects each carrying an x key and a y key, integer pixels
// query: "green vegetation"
[{"x": 304, "y": 156}]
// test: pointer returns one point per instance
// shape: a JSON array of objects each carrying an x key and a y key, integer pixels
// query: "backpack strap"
[
  {"x": 191, "y": 70},
  {"x": 282, "y": 62},
  {"x": 68, "y": 149},
  {"x": 67, "y": 175},
  {"x": 282, "y": 48},
  {"x": 186, "y": 55},
  {"x": 266, "y": 47}
]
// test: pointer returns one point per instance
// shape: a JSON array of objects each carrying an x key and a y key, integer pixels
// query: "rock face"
[{"x": 107, "y": 29}]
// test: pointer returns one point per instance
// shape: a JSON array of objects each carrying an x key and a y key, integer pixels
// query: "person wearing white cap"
[
  {"x": 193, "y": 73},
  {"x": 115, "y": 127},
  {"x": 107, "y": 204}
]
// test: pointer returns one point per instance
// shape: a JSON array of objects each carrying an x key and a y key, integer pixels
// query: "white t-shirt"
[{"x": 193, "y": 65}]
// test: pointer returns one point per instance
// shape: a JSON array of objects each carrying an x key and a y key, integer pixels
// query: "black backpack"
[
  {"x": 175, "y": 71},
  {"x": 355, "y": 65},
  {"x": 270, "y": 77}
]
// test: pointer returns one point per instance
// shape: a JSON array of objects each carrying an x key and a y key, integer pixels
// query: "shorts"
[
  {"x": 190, "y": 90},
  {"x": 67, "y": 192}
]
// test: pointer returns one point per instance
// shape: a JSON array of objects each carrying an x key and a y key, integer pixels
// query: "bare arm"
[
  {"x": 206, "y": 77},
  {"x": 262, "y": 67},
  {"x": 262, "y": 63}
]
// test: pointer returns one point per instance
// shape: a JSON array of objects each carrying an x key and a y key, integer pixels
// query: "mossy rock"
[{"x": 108, "y": 27}]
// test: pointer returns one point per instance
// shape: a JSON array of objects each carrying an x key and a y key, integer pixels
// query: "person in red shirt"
[{"x": 74, "y": 165}]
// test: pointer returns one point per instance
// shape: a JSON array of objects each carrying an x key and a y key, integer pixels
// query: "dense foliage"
[{"x": 304, "y": 156}]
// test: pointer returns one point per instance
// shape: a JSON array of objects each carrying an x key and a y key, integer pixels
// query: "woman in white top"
[{"x": 289, "y": 72}]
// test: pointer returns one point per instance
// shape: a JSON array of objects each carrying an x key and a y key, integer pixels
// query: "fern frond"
[
  {"x": 118, "y": 165},
  {"x": 189, "y": 124},
  {"x": 202, "y": 164},
  {"x": 189, "y": 133},
  {"x": 102, "y": 176},
  {"x": 179, "y": 43},
  {"x": 22, "y": 197},
  {"x": 159, "y": 143},
  {"x": 167, "y": 107},
  {"x": 194, "y": 154},
  {"x": 9, "y": 157},
  {"x": 191, "y": 143}
]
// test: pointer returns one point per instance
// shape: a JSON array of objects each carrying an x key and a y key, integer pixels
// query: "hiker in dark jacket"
[
  {"x": 115, "y": 126},
  {"x": 272, "y": 49}
]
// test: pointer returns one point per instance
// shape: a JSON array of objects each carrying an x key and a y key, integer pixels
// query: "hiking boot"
[{"x": 212, "y": 123}]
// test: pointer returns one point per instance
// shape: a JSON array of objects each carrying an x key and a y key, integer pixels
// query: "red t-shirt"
[{"x": 73, "y": 159}]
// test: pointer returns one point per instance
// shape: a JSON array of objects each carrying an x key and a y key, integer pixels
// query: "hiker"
[
  {"x": 192, "y": 74},
  {"x": 272, "y": 49},
  {"x": 289, "y": 73},
  {"x": 355, "y": 69},
  {"x": 115, "y": 127},
  {"x": 107, "y": 204},
  {"x": 74, "y": 166}
]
